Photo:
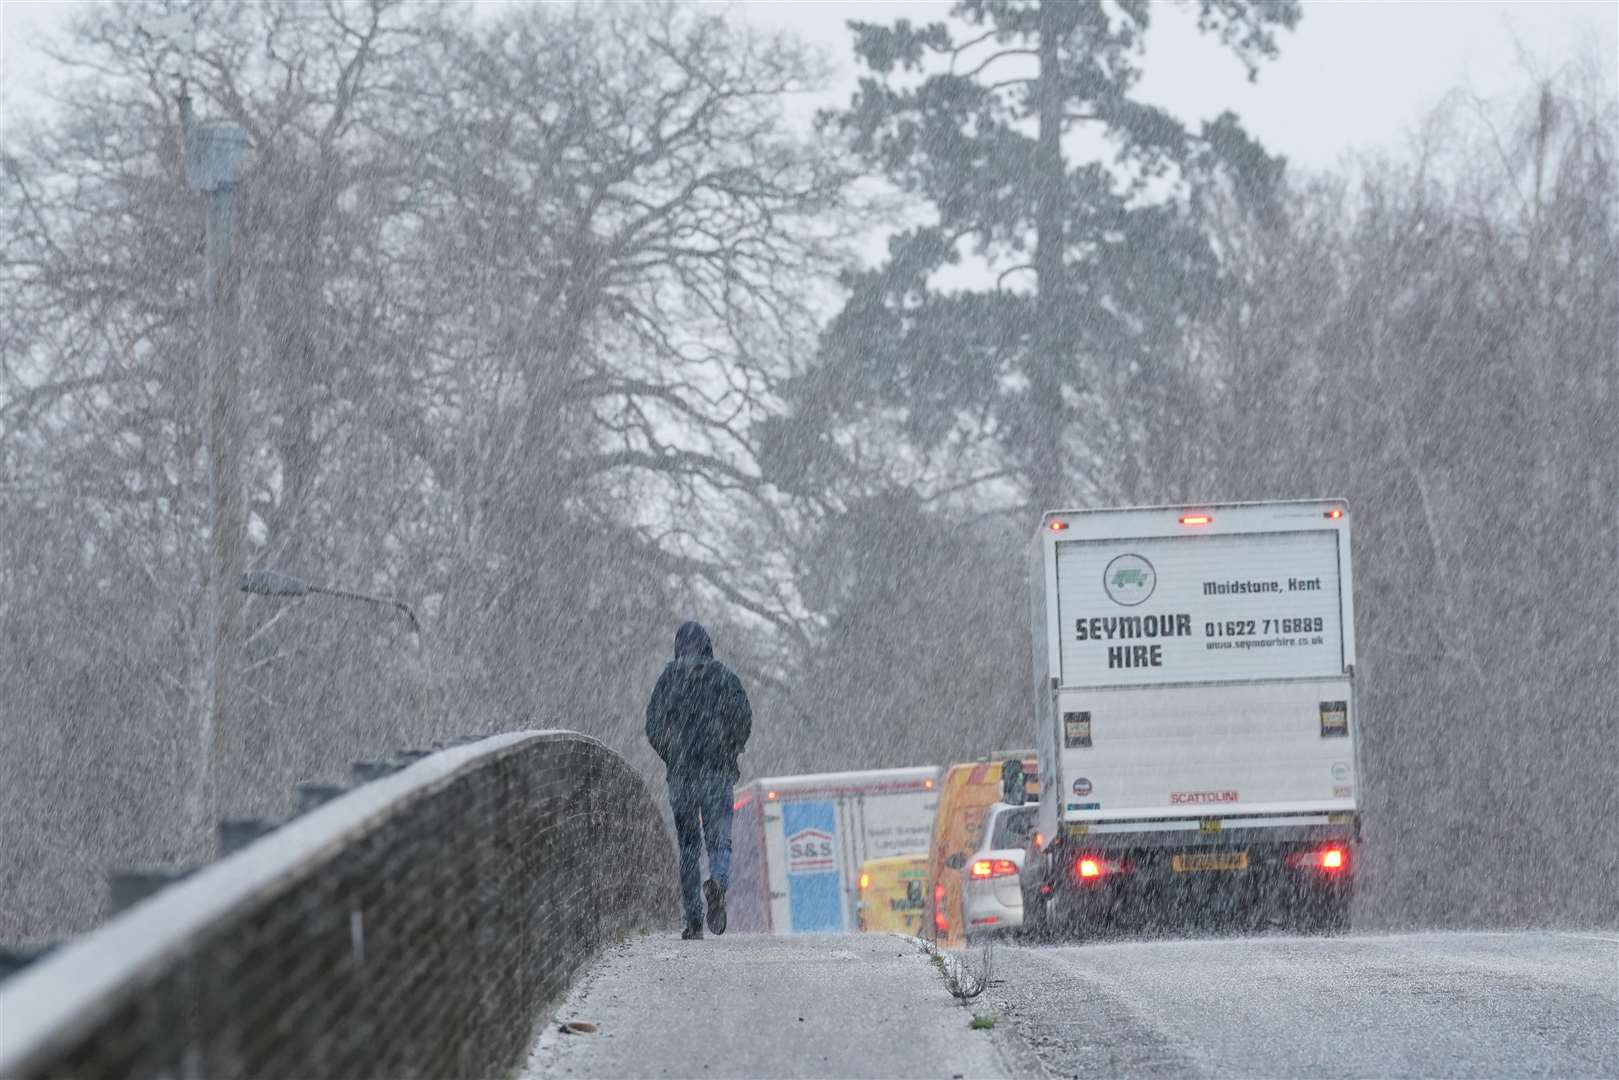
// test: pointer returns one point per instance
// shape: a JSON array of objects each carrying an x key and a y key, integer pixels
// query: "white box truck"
[
  {"x": 797, "y": 843},
  {"x": 1195, "y": 715}
]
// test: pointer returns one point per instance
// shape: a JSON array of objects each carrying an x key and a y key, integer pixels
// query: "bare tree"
[
  {"x": 1437, "y": 344},
  {"x": 514, "y": 296}
]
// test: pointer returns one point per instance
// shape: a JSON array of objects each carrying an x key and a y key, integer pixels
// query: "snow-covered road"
[{"x": 1440, "y": 1004}]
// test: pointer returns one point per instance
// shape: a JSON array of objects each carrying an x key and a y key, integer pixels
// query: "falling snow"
[{"x": 557, "y": 326}]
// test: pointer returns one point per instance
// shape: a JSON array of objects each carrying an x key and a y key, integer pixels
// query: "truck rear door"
[{"x": 1203, "y": 662}]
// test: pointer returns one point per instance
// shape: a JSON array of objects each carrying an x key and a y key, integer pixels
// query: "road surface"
[
  {"x": 1431, "y": 1005},
  {"x": 1418, "y": 1005}
]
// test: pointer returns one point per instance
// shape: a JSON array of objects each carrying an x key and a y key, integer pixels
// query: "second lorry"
[{"x": 798, "y": 842}]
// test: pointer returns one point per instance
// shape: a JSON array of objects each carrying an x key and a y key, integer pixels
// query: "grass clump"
[{"x": 980, "y": 1022}]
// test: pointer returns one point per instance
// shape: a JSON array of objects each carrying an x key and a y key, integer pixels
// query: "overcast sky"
[{"x": 1355, "y": 76}]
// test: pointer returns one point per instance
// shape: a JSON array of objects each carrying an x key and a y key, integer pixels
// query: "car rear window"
[{"x": 1014, "y": 827}]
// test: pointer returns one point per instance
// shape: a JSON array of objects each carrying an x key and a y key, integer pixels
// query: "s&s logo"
[{"x": 809, "y": 851}]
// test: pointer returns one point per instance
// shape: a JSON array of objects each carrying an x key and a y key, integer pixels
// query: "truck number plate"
[{"x": 1225, "y": 860}]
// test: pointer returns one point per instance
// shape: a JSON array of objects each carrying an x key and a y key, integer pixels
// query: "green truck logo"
[{"x": 1129, "y": 580}]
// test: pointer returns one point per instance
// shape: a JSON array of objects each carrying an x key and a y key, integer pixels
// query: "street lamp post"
[
  {"x": 213, "y": 156},
  {"x": 276, "y": 584}
]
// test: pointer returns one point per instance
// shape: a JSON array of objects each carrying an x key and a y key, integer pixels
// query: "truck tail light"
[
  {"x": 1093, "y": 868},
  {"x": 984, "y": 869},
  {"x": 1328, "y": 860},
  {"x": 1334, "y": 514},
  {"x": 1057, "y": 526},
  {"x": 1196, "y": 519},
  {"x": 939, "y": 922}
]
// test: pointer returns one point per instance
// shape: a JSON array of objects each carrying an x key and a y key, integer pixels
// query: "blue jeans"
[{"x": 702, "y": 806}]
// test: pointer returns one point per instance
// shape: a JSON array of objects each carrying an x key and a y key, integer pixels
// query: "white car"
[{"x": 992, "y": 889}]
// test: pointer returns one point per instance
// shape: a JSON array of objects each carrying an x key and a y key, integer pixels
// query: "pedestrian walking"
[{"x": 698, "y": 721}]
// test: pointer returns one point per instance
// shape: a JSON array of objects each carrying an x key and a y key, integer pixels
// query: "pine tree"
[{"x": 1096, "y": 262}]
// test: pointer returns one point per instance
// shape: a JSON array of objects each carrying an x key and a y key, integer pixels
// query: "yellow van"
[
  {"x": 967, "y": 790},
  {"x": 893, "y": 894}
]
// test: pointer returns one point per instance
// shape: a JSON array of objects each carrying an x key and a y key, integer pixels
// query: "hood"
[{"x": 691, "y": 640}]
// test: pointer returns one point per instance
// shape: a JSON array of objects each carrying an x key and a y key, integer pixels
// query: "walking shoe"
[
  {"x": 715, "y": 895},
  {"x": 693, "y": 932}
]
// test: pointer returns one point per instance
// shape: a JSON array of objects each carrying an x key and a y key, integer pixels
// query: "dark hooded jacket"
[{"x": 699, "y": 718}]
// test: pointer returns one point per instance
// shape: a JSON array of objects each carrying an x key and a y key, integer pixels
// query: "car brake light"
[
  {"x": 1332, "y": 859},
  {"x": 1195, "y": 519},
  {"x": 770, "y": 795},
  {"x": 984, "y": 869},
  {"x": 1090, "y": 868},
  {"x": 939, "y": 922}
]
